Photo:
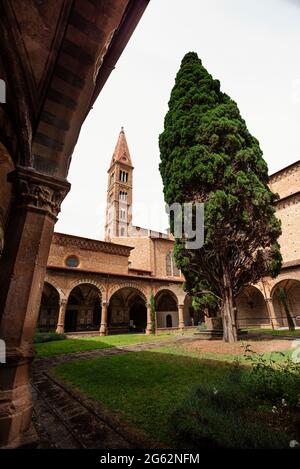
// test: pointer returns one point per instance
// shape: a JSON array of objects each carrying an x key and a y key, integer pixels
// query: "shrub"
[
  {"x": 272, "y": 381},
  {"x": 47, "y": 337},
  {"x": 244, "y": 411}
]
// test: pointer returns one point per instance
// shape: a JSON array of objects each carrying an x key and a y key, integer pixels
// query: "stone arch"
[
  {"x": 192, "y": 317},
  {"x": 173, "y": 291},
  {"x": 54, "y": 284},
  {"x": 132, "y": 285},
  {"x": 87, "y": 281},
  {"x": 166, "y": 308},
  {"x": 287, "y": 309},
  {"x": 252, "y": 309},
  {"x": 127, "y": 308},
  {"x": 49, "y": 308},
  {"x": 84, "y": 306}
]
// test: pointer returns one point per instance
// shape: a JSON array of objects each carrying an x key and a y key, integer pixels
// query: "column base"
[
  {"x": 60, "y": 330},
  {"x": 26, "y": 440},
  {"x": 103, "y": 330}
]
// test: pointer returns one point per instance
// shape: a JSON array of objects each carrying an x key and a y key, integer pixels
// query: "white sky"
[{"x": 251, "y": 46}]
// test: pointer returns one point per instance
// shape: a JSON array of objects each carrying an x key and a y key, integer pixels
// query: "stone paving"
[{"x": 64, "y": 419}]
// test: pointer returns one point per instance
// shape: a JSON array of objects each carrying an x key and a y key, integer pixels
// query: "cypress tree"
[{"x": 208, "y": 155}]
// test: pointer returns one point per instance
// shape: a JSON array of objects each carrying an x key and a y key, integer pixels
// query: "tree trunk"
[{"x": 228, "y": 308}]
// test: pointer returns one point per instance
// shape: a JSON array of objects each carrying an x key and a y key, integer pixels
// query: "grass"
[
  {"x": 180, "y": 350},
  {"x": 143, "y": 388},
  {"x": 61, "y": 347},
  {"x": 167, "y": 394},
  {"x": 276, "y": 332}
]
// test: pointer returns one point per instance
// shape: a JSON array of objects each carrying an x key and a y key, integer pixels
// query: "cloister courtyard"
[{"x": 136, "y": 391}]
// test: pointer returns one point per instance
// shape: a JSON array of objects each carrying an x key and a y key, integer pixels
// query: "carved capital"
[{"x": 36, "y": 191}]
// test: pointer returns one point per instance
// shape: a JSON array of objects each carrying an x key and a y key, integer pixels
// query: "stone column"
[
  {"x": 149, "y": 323},
  {"x": 181, "y": 316},
  {"x": 28, "y": 236},
  {"x": 60, "y": 328},
  {"x": 272, "y": 314},
  {"x": 103, "y": 325}
]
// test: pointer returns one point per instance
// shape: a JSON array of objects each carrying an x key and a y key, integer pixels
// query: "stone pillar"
[
  {"x": 60, "y": 328},
  {"x": 181, "y": 316},
  {"x": 149, "y": 323},
  {"x": 103, "y": 325},
  {"x": 272, "y": 314},
  {"x": 36, "y": 203}
]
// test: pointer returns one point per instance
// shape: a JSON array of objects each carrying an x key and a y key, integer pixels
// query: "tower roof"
[{"x": 121, "y": 152}]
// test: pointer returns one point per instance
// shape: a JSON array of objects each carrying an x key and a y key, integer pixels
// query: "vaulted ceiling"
[{"x": 55, "y": 58}]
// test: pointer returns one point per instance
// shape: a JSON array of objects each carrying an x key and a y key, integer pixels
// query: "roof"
[{"x": 121, "y": 153}]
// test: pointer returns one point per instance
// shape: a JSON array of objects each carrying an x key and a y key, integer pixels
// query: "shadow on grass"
[{"x": 66, "y": 346}]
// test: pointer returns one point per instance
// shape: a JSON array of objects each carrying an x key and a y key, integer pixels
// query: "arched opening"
[
  {"x": 252, "y": 308},
  {"x": 166, "y": 306},
  {"x": 169, "y": 320},
  {"x": 83, "y": 312},
  {"x": 192, "y": 317},
  {"x": 127, "y": 311},
  {"x": 286, "y": 302},
  {"x": 49, "y": 309}
]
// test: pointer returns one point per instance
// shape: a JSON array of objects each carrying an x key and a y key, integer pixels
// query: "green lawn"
[
  {"x": 279, "y": 332},
  {"x": 180, "y": 350},
  {"x": 143, "y": 387},
  {"x": 61, "y": 347},
  {"x": 184, "y": 401}
]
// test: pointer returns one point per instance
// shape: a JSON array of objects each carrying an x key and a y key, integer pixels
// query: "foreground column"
[
  {"x": 103, "y": 326},
  {"x": 149, "y": 323},
  {"x": 60, "y": 329},
  {"x": 181, "y": 316},
  {"x": 37, "y": 200}
]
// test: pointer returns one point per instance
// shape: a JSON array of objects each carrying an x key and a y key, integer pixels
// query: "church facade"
[{"x": 108, "y": 286}]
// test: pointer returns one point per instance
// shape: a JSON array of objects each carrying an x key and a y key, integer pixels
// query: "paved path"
[{"x": 64, "y": 420}]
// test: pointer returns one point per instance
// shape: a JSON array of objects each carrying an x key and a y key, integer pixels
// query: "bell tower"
[{"x": 119, "y": 191}]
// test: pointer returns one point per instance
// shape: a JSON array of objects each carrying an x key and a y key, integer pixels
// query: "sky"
[{"x": 251, "y": 46}]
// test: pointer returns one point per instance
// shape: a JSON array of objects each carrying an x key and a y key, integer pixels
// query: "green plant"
[
  {"x": 220, "y": 417},
  {"x": 272, "y": 381},
  {"x": 209, "y": 156},
  {"x": 152, "y": 308}
]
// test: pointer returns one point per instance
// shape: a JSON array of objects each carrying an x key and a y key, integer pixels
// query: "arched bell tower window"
[{"x": 171, "y": 267}]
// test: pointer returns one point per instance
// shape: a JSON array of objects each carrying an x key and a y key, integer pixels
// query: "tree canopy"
[{"x": 208, "y": 155}]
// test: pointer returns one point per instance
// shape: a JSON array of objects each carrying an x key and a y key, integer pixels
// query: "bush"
[
  {"x": 47, "y": 337},
  {"x": 272, "y": 382},
  {"x": 246, "y": 410}
]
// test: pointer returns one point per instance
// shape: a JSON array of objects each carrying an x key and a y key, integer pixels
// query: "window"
[
  {"x": 72, "y": 261},
  {"x": 123, "y": 176},
  {"x": 122, "y": 214},
  {"x": 171, "y": 267},
  {"x": 123, "y": 196},
  {"x": 122, "y": 231}
]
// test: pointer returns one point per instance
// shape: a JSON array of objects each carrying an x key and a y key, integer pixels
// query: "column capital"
[{"x": 37, "y": 191}]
